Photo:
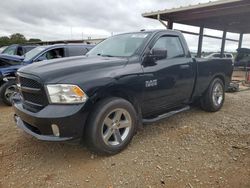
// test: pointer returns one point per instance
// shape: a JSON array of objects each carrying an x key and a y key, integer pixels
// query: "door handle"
[{"x": 184, "y": 66}]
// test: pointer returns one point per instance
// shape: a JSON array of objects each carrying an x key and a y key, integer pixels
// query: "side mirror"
[
  {"x": 159, "y": 53},
  {"x": 154, "y": 55}
]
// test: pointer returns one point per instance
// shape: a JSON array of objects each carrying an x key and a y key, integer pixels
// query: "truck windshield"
[
  {"x": 33, "y": 53},
  {"x": 124, "y": 45}
]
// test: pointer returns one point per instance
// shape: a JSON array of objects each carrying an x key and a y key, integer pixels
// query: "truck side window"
[
  {"x": 172, "y": 44},
  {"x": 55, "y": 53},
  {"x": 52, "y": 54},
  {"x": 216, "y": 55},
  {"x": 77, "y": 50}
]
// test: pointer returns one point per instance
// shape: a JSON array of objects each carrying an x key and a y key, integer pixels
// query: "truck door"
[{"x": 168, "y": 82}]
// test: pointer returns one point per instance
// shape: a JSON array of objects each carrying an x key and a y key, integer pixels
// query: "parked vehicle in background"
[
  {"x": 10, "y": 64},
  {"x": 124, "y": 81},
  {"x": 218, "y": 55},
  {"x": 18, "y": 49},
  {"x": 2, "y": 48},
  {"x": 242, "y": 58}
]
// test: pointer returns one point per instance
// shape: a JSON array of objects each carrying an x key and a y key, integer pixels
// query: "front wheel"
[
  {"x": 214, "y": 97},
  {"x": 7, "y": 91},
  {"x": 111, "y": 126}
]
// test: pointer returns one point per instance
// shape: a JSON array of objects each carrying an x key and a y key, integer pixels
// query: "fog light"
[{"x": 55, "y": 130}]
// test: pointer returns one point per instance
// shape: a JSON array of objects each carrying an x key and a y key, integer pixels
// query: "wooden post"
[
  {"x": 223, "y": 43},
  {"x": 170, "y": 24},
  {"x": 240, "y": 40},
  {"x": 200, "y": 42}
]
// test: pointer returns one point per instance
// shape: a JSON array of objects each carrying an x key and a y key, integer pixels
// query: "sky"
[{"x": 80, "y": 19}]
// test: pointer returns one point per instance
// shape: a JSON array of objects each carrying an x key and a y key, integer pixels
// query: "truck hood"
[{"x": 61, "y": 68}]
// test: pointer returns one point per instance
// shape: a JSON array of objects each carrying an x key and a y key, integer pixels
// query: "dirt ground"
[{"x": 191, "y": 149}]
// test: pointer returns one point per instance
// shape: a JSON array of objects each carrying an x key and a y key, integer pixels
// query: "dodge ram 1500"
[{"x": 125, "y": 81}]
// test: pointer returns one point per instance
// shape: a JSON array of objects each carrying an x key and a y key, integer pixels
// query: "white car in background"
[{"x": 217, "y": 55}]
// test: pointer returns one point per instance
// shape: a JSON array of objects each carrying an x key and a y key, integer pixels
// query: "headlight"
[{"x": 65, "y": 94}]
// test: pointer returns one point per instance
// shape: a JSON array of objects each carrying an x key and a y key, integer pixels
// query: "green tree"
[
  {"x": 17, "y": 38},
  {"x": 34, "y": 40},
  {"x": 4, "y": 41}
]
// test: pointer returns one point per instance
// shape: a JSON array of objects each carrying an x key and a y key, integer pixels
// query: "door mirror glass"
[
  {"x": 158, "y": 53},
  {"x": 154, "y": 55}
]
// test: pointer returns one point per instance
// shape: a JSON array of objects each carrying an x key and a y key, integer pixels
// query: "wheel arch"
[
  {"x": 7, "y": 75},
  {"x": 206, "y": 101},
  {"x": 221, "y": 77},
  {"x": 202, "y": 91},
  {"x": 120, "y": 92},
  {"x": 10, "y": 75}
]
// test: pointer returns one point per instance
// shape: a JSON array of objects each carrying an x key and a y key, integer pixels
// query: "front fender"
[{"x": 127, "y": 91}]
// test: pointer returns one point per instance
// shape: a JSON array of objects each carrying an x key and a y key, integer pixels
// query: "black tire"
[
  {"x": 6, "y": 98},
  {"x": 208, "y": 101},
  {"x": 94, "y": 130}
]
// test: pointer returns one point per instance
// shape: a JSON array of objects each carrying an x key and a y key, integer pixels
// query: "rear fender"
[
  {"x": 220, "y": 76},
  {"x": 203, "y": 84}
]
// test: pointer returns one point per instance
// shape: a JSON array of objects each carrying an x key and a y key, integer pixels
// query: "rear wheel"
[
  {"x": 111, "y": 126},
  {"x": 7, "y": 91},
  {"x": 214, "y": 97}
]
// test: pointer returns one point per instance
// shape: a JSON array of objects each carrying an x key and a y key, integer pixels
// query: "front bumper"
[{"x": 70, "y": 120}]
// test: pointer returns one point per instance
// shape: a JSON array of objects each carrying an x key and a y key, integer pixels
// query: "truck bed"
[{"x": 207, "y": 69}]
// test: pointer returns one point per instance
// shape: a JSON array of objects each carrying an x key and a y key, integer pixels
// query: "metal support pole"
[
  {"x": 223, "y": 43},
  {"x": 200, "y": 42},
  {"x": 240, "y": 40}
]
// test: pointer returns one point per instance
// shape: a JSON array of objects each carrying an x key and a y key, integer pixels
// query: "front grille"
[
  {"x": 33, "y": 93},
  {"x": 26, "y": 82},
  {"x": 34, "y": 98}
]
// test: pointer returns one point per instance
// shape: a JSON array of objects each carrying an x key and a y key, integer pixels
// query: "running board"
[{"x": 166, "y": 115}]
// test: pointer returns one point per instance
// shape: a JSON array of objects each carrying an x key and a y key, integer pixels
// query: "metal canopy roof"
[{"x": 226, "y": 15}]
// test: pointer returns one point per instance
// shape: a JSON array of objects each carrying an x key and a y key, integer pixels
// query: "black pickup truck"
[{"x": 122, "y": 83}]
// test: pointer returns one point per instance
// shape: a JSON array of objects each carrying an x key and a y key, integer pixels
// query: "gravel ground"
[{"x": 191, "y": 149}]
